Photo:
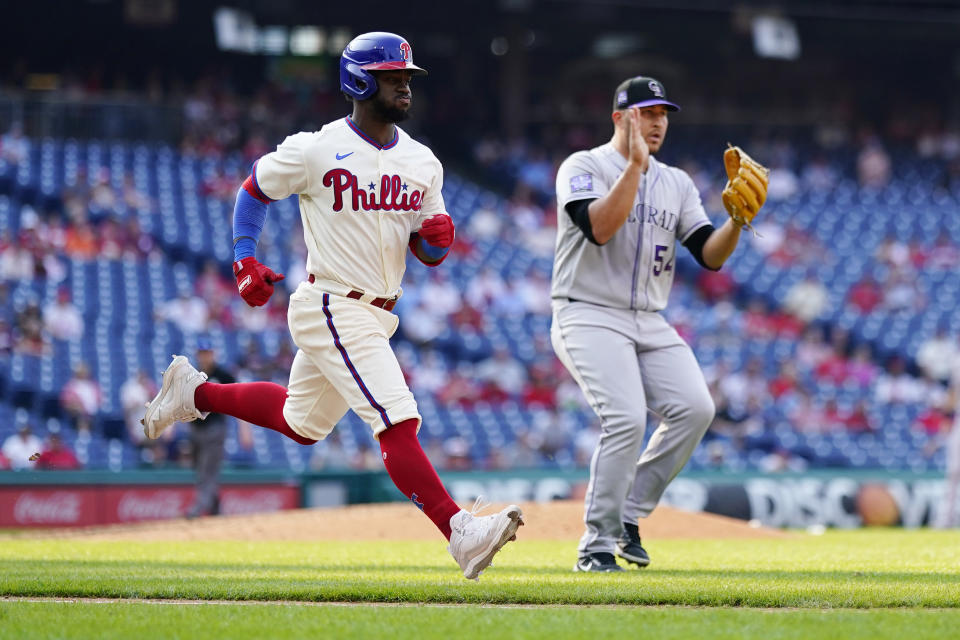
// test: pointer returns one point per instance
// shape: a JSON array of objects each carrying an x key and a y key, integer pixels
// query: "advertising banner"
[
  {"x": 106, "y": 504},
  {"x": 788, "y": 500},
  {"x": 44, "y": 507}
]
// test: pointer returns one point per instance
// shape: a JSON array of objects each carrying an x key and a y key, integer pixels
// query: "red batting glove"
[
  {"x": 438, "y": 231},
  {"x": 255, "y": 281}
]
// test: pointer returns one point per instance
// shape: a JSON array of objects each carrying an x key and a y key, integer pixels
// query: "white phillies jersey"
[
  {"x": 634, "y": 270},
  {"x": 359, "y": 202}
]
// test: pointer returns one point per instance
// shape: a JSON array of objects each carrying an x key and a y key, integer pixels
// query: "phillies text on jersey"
[
  {"x": 392, "y": 195},
  {"x": 359, "y": 201}
]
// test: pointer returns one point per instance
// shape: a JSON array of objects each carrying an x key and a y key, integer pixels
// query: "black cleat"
[
  {"x": 630, "y": 549},
  {"x": 597, "y": 563}
]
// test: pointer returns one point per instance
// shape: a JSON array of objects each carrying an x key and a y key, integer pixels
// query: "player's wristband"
[
  {"x": 428, "y": 254},
  {"x": 432, "y": 252}
]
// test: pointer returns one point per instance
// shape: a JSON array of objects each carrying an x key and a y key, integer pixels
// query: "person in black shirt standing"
[{"x": 208, "y": 437}]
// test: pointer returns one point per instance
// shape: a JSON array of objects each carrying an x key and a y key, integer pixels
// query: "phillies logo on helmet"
[
  {"x": 656, "y": 88},
  {"x": 405, "y": 50}
]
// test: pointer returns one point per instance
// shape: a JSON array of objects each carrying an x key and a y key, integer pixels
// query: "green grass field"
[{"x": 845, "y": 584}]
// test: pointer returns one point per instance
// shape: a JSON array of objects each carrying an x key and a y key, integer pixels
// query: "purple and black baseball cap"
[{"x": 641, "y": 92}]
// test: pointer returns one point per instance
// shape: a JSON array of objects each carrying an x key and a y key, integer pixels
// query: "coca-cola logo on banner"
[
  {"x": 255, "y": 502},
  {"x": 61, "y": 507},
  {"x": 154, "y": 505}
]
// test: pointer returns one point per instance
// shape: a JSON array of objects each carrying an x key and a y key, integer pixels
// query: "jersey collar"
[
  {"x": 653, "y": 165},
  {"x": 389, "y": 145}
]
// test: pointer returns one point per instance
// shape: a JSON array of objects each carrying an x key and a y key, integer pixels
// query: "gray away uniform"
[{"x": 608, "y": 332}]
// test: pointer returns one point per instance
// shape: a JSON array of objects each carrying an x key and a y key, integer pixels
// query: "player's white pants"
[
  {"x": 344, "y": 361},
  {"x": 628, "y": 362}
]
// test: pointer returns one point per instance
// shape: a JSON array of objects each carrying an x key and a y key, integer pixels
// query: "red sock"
[
  {"x": 414, "y": 475},
  {"x": 260, "y": 403}
]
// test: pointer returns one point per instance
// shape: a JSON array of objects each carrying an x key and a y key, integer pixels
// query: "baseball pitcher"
[
  {"x": 614, "y": 265},
  {"x": 946, "y": 516},
  {"x": 368, "y": 192}
]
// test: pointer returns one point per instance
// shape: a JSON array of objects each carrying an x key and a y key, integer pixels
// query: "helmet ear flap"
[{"x": 356, "y": 82}]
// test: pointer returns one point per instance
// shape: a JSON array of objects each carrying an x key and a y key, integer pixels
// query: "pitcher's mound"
[{"x": 560, "y": 520}]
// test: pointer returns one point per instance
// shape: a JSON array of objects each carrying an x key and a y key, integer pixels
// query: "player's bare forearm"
[
  {"x": 607, "y": 214},
  {"x": 721, "y": 244}
]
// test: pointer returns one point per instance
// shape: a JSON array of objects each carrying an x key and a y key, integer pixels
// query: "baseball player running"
[
  {"x": 612, "y": 274},
  {"x": 368, "y": 191}
]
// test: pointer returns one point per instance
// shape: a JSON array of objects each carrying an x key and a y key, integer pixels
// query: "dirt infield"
[{"x": 561, "y": 520}]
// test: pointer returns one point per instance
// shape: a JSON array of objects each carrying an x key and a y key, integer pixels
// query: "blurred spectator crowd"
[{"x": 829, "y": 338}]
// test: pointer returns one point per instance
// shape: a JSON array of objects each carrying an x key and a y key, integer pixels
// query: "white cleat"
[
  {"x": 474, "y": 540},
  {"x": 174, "y": 403}
]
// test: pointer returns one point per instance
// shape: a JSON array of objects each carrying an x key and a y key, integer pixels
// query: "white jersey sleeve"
[
  {"x": 283, "y": 172},
  {"x": 692, "y": 214},
  {"x": 580, "y": 178},
  {"x": 432, "y": 198}
]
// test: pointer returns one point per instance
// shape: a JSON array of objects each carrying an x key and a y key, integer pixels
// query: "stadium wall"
[{"x": 845, "y": 499}]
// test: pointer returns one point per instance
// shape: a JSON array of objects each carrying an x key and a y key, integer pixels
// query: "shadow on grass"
[
  {"x": 357, "y": 581},
  {"x": 78, "y": 568}
]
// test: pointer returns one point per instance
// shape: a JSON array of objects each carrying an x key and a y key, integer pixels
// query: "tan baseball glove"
[{"x": 746, "y": 189}]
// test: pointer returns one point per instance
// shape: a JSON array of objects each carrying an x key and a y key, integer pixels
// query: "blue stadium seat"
[{"x": 119, "y": 299}]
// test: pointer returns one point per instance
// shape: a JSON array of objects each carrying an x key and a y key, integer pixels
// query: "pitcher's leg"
[
  {"x": 677, "y": 392},
  {"x": 604, "y": 364},
  {"x": 948, "y": 513}
]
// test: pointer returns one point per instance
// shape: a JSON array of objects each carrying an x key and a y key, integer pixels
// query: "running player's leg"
[
  {"x": 314, "y": 406},
  {"x": 259, "y": 403},
  {"x": 349, "y": 342},
  {"x": 603, "y": 361},
  {"x": 677, "y": 392}
]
